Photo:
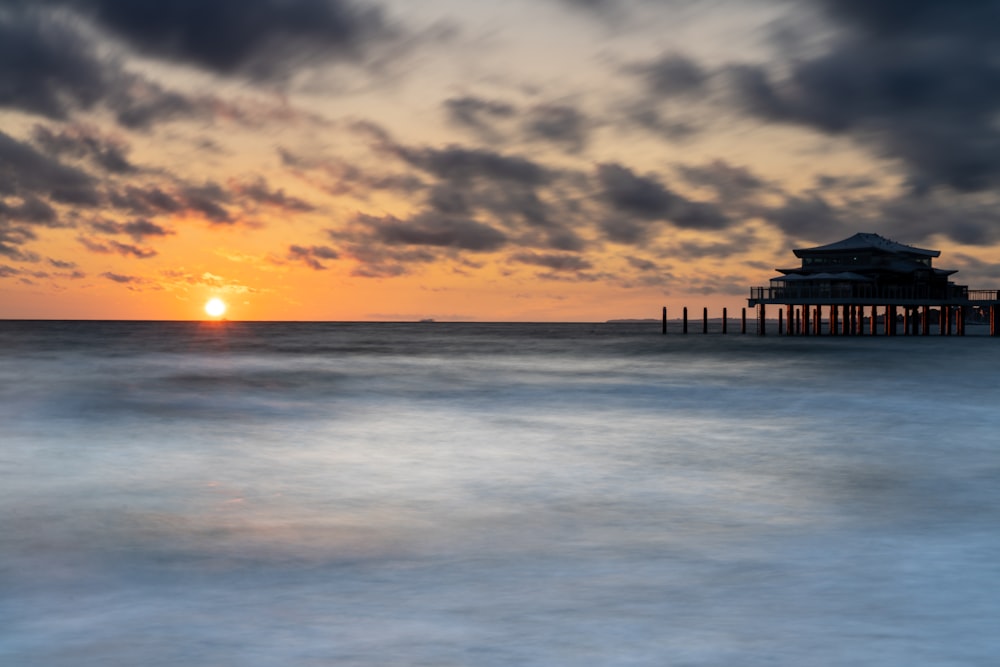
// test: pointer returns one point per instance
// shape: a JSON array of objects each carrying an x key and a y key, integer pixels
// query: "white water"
[{"x": 492, "y": 496}]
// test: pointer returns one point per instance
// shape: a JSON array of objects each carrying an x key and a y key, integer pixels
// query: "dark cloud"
[
  {"x": 641, "y": 264},
  {"x": 122, "y": 279},
  {"x": 311, "y": 256},
  {"x": 262, "y": 39},
  {"x": 671, "y": 75},
  {"x": 916, "y": 82},
  {"x": 459, "y": 164},
  {"x": 561, "y": 125},
  {"x": 513, "y": 191},
  {"x": 82, "y": 142},
  {"x": 642, "y": 197},
  {"x": 649, "y": 118},
  {"x": 478, "y": 114},
  {"x": 46, "y": 67},
  {"x": 31, "y": 210},
  {"x": 210, "y": 200},
  {"x": 730, "y": 183},
  {"x": 26, "y": 172},
  {"x": 145, "y": 201},
  {"x": 114, "y": 247},
  {"x": 52, "y": 68},
  {"x": 376, "y": 259},
  {"x": 59, "y": 264},
  {"x": 137, "y": 229},
  {"x": 12, "y": 240},
  {"x": 260, "y": 192},
  {"x": 139, "y": 104},
  {"x": 637, "y": 203},
  {"x": 965, "y": 219},
  {"x": 427, "y": 230},
  {"x": 809, "y": 216}
]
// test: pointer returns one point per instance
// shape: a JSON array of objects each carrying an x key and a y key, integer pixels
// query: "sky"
[{"x": 511, "y": 160}]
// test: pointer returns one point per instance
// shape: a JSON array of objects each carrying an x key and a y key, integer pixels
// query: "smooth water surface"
[{"x": 494, "y": 495}]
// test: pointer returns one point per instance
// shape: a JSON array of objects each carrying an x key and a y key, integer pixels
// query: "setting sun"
[{"x": 215, "y": 307}]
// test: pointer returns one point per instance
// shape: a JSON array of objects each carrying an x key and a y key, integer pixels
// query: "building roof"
[{"x": 864, "y": 241}]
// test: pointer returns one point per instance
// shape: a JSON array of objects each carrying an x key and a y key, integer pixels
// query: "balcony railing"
[{"x": 867, "y": 292}]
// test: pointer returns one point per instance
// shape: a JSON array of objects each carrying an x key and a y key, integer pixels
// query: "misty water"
[{"x": 494, "y": 495}]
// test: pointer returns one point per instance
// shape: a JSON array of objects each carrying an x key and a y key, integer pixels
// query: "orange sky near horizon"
[{"x": 563, "y": 160}]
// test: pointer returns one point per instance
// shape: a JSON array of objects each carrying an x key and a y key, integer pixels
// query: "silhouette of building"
[{"x": 869, "y": 271}]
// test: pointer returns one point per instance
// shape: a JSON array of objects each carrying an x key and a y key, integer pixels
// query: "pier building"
[{"x": 869, "y": 285}]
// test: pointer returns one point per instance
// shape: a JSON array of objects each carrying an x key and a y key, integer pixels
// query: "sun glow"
[{"x": 215, "y": 307}]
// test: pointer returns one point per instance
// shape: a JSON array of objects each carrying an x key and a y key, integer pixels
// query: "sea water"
[{"x": 285, "y": 494}]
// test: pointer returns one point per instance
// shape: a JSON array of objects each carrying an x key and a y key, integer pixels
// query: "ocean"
[{"x": 490, "y": 495}]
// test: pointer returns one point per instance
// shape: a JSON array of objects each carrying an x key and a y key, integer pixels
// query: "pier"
[{"x": 866, "y": 285}]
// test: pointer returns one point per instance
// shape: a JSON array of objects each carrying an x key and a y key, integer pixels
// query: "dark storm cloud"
[
  {"x": 918, "y": 217},
  {"x": 262, "y": 39},
  {"x": 561, "y": 125},
  {"x": 427, "y": 230},
  {"x": 137, "y": 229},
  {"x": 114, "y": 247},
  {"x": 641, "y": 264},
  {"x": 638, "y": 196},
  {"x": 730, "y": 183},
  {"x": 145, "y": 201},
  {"x": 918, "y": 82},
  {"x": 139, "y": 104},
  {"x": 12, "y": 240},
  {"x": 31, "y": 210},
  {"x": 46, "y": 67},
  {"x": 671, "y": 74},
  {"x": 478, "y": 114},
  {"x": 459, "y": 164},
  {"x": 515, "y": 192},
  {"x": 122, "y": 279},
  {"x": 210, "y": 200},
  {"x": 50, "y": 67},
  {"x": 637, "y": 203},
  {"x": 808, "y": 216},
  {"x": 84, "y": 143},
  {"x": 260, "y": 192},
  {"x": 26, "y": 172},
  {"x": 311, "y": 256}
]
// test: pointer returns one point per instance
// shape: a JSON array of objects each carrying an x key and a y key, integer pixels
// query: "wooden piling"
[
  {"x": 664, "y": 320},
  {"x": 743, "y": 321},
  {"x": 684, "y": 329},
  {"x": 725, "y": 320},
  {"x": 704, "y": 320},
  {"x": 781, "y": 322}
]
